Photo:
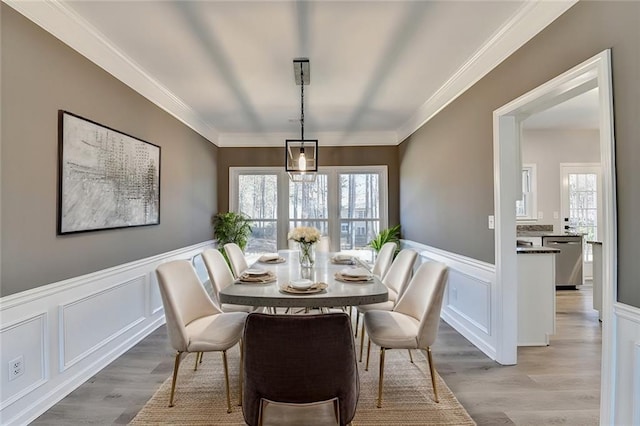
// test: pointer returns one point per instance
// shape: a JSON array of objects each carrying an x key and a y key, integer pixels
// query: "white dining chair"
[
  {"x": 194, "y": 322},
  {"x": 221, "y": 277},
  {"x": 396, "y": 280},
  {"x": 384, "y": 259},
  {"x": 236, "y": 259},
  {"x": 413, "y": 323}
]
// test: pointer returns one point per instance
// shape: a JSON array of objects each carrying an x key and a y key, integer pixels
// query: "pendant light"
[{"x": 301, "y": 155}]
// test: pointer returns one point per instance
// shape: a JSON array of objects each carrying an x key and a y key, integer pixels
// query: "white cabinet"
[
  {"x": 597, "y": 277},
  {"x": 537, "y": 241},
  {"x": 536, "y": 298}
]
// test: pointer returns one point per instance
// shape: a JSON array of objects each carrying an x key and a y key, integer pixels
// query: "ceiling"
[
  {"x": 580, "y": 112},
  {"x": 379, "y": 69}
]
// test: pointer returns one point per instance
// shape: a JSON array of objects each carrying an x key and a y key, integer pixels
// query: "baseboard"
[{"x": 67, "y": 331}]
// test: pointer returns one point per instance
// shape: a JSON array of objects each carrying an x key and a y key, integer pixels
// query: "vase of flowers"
[{"x": 306, "y": 237}]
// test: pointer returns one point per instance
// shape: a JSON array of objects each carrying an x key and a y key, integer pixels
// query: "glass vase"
[{"x": 307, "y": 254}]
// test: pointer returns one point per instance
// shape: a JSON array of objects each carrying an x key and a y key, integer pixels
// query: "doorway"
[{"x": 595, "y": 72}]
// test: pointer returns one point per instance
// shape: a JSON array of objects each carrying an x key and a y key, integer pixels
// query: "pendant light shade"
[{"x": 301, "y": 155}]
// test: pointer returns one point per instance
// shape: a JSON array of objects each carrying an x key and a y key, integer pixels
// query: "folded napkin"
[
  {"x": 267, "y": 277},
  {"x": 315, "y": 288},
  {"x": 355, "y": 273},
  {"x": 271, "y": 258},
  {"x": 343, "y": 259}
]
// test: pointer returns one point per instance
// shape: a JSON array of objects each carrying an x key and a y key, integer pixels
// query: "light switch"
[{"x": 492, "y": 222}]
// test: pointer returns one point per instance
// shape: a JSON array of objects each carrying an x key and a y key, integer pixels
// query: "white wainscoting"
[
  {"x": 469, "y": 302},
  {"x": 69, "y": 330},
  {"x": 627, "y": 365}
]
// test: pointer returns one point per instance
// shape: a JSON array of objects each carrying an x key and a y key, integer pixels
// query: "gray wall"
[
  {"x": 446, "y": 167},
  {"x": 327, "y": 156},
  {"x": 547, "y": 149},
  {"x": 41, "y": 75}
]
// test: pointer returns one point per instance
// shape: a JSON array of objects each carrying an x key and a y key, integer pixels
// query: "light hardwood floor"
[{"x": 558, "y": 384}]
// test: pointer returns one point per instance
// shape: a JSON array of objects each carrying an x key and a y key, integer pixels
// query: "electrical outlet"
[
  {"x": 492, "y": 222},
  {"x": 556, "y": 215},
  {"x": 540, "y": 215},
  {"x": 16, "y": 368}
]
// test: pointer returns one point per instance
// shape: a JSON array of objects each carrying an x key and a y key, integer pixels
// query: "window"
[
  {"x": 359, "y": 209},
  {"x": 347, "y": 204},
  {"x": 258, "y": 198},
  {"x": 583, "y": 208},
  {"x": 526, "y": 207},
  {"x": 308, "y": 204}
]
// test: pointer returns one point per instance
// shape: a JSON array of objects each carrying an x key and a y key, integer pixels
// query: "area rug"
[{"x": 407, "y": 395}]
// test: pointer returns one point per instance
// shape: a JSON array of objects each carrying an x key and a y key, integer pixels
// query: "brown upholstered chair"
[
  {"x": 194, "y": 322},
  {"x": 413, "y": 323},
  {"x": 292, "y": 362}
]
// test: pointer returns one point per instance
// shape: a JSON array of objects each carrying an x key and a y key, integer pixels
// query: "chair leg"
[
  {"x": 410, "y": 356},
  {"x": 201, "y": 356},
  {"x": 433, "y": 374},
  {"x": 195, "y": 368},
  {"x": 226, "y": 379},
  {"x": 381, "y": 378},
  {"x": 361, "y": 341},
  {"x": 241, "y": 377},
  {"x": 357, "y": 321},
  {"x": 176, "y": 365},
  {"x": 366, "y": 368}
]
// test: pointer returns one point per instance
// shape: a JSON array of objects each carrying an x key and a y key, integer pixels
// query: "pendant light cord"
[{"x": 302, "y": 104}]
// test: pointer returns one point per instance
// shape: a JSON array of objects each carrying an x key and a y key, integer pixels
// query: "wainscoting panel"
[
  {"x": 68, "y": 331},
  {"x": 627, "y": 365},
  {"x": 469, "y": 300},
  {"x": 24, "y": 340},
  {"x": 89, "y": 323}
]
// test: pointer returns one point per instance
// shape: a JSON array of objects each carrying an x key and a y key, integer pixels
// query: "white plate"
[
  {"x": 256, "y": 271},
  {"x": 302, "y": 284}
]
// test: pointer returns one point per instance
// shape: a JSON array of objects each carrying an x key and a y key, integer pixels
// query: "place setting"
[
  {"x": 303, "y": 286},
  {"x": 343, "y": 259},
  {"x": 271, "y": 258},
  {"x": 354, "y": 275},
  {"x": 257, "y": 276}
]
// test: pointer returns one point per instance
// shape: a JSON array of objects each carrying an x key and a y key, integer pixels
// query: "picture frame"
[{"x": 107, "y": 179}]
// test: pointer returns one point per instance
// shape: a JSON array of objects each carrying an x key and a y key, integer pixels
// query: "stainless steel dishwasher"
[{"x": 569, "y": 260}]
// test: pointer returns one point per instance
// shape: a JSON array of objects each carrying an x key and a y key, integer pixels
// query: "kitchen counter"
[
  {"x": 548, "y": 234},
  {"x": 536, "y": 250}
]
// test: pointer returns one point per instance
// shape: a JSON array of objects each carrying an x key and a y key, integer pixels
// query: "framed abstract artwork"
[{"x": 106, "y": 179}]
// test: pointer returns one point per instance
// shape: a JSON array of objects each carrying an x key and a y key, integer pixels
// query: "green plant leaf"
[{"x": 389, "y": 235}]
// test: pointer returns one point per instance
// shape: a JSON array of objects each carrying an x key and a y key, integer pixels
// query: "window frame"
[
  {"x": 333, "y": 202},
  {"x": 530, "y": 198}
]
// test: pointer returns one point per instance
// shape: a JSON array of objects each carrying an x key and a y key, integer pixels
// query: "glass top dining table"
[{"x": 337, "y": 293}]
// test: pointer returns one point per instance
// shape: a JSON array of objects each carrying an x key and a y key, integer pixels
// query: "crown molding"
[
  {"x": 64, "y": 23},
  {"x": 229, "y": 140},
  {"x": 528, "y": 21}
]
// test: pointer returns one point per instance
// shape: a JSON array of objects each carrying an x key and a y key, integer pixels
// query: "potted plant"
[
  {"x": 389, "y": 235},
  {"x": 231, "y": 227}
]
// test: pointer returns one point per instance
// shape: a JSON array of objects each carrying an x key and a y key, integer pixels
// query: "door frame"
[{"x": 594, "y": 72}]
